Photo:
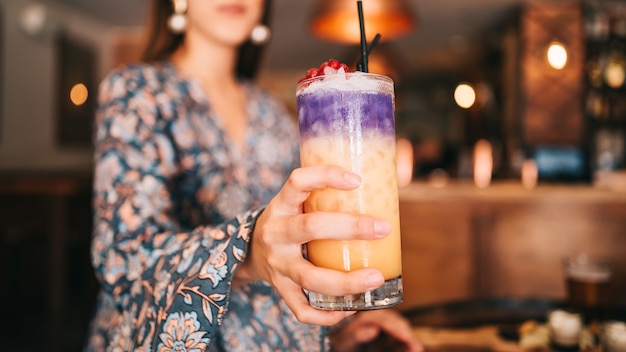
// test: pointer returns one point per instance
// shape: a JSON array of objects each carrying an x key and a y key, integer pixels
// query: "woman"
[{"x": 198, "y": 220}]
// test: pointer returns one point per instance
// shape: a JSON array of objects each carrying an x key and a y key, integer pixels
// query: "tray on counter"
[{"x": 481, "y": 325}]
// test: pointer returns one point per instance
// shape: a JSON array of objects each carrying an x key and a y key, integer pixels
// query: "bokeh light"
[
  {"x": 465, "y": 95},
  {"x": 557, "y": 55},
  {"x": 483, "y": 163},
  {"x": 404, "y": 161},
  {"x": 614, "y": 74},
  {"x": 79, "y": 94}
]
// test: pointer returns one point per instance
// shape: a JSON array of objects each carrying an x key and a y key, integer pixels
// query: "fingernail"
[
  {"x": 374, "y": 281},
  {"x": 381, "y": 228},
  {"x": 352, "y": 179}
]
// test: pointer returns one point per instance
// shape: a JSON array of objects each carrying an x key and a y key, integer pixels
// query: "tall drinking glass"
[{"x": 348, "y": 120}]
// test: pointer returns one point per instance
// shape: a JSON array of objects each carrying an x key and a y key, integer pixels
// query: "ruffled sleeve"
[{"x": 172, "y": 287}]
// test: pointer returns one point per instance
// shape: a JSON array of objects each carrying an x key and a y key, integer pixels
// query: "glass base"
[{"x": 386, "y": 296}]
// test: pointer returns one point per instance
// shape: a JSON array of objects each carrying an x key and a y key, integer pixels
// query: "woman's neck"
[{"x": 212, "y": 64}]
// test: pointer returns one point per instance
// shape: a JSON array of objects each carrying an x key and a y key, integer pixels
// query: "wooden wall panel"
[
  {"x": 436, "y": 252},
  {"x": 462, "y": 242},
  {"x": 529, "y": 241}
]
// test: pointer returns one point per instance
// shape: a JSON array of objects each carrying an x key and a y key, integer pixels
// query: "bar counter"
[
  {"x": 460, "y": 242},
  {"x": 509, "y": 191}
]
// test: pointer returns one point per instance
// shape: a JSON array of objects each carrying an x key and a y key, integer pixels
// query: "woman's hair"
[{"x": 161, "y": 42}]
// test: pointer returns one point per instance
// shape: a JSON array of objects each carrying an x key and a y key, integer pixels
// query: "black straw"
[
  {"x": 370, "y": 47},
  {"x": 363, "y": 62},
  {"x": 375, "y": 41}
]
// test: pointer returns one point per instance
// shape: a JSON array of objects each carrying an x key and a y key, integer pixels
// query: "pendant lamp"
[{"x": 337, "y": 20}]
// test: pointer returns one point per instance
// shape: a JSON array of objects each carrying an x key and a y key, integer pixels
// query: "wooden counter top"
[{"x": 509, "y": 191}]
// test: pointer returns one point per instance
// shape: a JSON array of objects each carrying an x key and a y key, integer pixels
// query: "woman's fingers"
[
  {"x": 304, "y": 180},
  {"x": 333, "y": 282},
  {"x": 388, "y": 320},
  {"x": 297, "y": 301},
  {"x": 303, "y": 228},
  {"x": 337, "y": 226}
]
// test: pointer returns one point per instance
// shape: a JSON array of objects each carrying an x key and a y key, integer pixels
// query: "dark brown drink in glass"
[
  {"x": 588, "y": 293},
  {"x": 588, "y": 282}
]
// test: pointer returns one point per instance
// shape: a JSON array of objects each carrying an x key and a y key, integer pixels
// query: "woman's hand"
[
  {"x": 275, "y": 253},
  {"x": 365, "y": 326}
]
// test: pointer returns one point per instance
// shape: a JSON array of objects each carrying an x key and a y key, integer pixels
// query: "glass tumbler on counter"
[
  {"x": 588, "y": 282},
  {"x": 348, "y": 120}
]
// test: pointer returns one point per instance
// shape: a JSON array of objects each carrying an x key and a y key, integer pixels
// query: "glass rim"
[
  {"x": 377, "y": 76},
  {"x": 586, "y": 259}
]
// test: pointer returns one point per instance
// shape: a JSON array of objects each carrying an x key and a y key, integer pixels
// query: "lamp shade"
[{"x": 338, "y": 21}]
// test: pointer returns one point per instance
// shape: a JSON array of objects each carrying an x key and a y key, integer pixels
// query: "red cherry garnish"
[
  {"x": 331, "y": 66},
  {"x": 334, "y": 63},
  {"x": 312, "y": 72}
]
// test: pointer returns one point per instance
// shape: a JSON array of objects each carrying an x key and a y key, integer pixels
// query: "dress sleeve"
[{"x": 171, "y": 287}]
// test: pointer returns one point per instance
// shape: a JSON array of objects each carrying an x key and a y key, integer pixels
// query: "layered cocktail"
[{"x": 347, "y": 119}]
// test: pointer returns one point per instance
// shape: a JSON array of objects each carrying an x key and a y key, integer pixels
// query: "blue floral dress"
[{"x": 175, "y": 202}]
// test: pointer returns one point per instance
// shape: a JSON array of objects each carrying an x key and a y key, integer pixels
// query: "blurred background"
[{"x": 511, "y": 120}]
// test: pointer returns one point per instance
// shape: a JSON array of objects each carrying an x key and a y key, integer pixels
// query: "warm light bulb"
[
  {"x": 465, "y": 95},
  {"x": 614, "y": 74},
  {"x": 557, "y": 55},
  {"x": 79, "y": 94}
]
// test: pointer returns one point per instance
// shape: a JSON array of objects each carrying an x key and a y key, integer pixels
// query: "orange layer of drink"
[{"x": 377, "y": 195}]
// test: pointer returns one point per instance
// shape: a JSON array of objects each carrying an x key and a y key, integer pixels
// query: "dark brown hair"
[{"x": 161, "y": 42}]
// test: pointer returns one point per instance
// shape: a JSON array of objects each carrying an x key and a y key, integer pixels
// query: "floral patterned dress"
[{"x": 175, "y": 202}]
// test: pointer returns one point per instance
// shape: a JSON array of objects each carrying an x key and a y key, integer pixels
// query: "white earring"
[
  {"x": 177, "y": 23},
  {"x": 260, "y": 34}
]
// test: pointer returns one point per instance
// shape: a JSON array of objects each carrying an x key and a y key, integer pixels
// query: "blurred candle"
[
  {"x": 483, "y": 163},
  {"x": 564, "y": 328},
  {"x": 530, "y": 174},
  {"x": 438, "y": 178},
  {"x": 613, "y": 336},
  {"x": 404, "y": 161}
]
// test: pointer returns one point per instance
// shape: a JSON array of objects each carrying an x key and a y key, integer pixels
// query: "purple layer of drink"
[{"x": 348, "y": 120}]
